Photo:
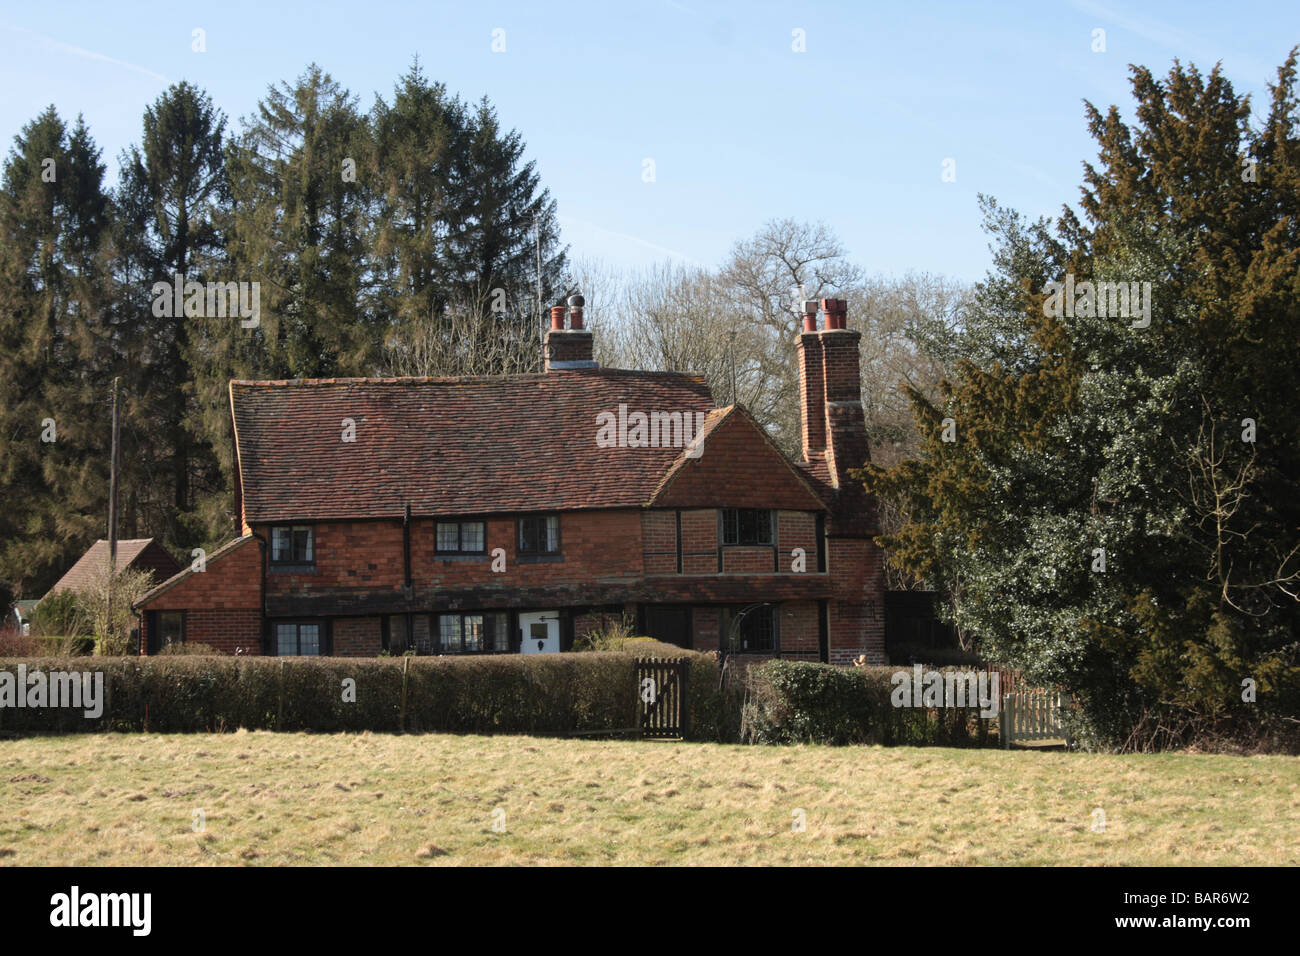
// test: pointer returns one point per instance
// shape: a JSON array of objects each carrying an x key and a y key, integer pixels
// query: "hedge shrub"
[
  {"x": 537, "y": 694},
  {"x": 798, "y": 702}
]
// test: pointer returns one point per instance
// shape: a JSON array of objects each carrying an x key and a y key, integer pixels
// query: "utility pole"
[
  {"x": 112, "y": 507},
  {"x": 541, "y": 318}
]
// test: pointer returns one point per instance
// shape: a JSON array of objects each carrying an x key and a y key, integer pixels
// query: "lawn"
[{"x": 268, "y": 798}]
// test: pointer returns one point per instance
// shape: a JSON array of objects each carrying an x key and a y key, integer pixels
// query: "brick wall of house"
[
  {"x": 706, "y": 623},
  {"x": 227, "y": 631},
  {"x": 739, "y": 560},
  {"x": 659, "y": 541},
  {"x": 857, "y": 615},
  {"x": 369, "y": 554},
  {"x": 593, "y": 620},
  {"x": 795, "y": 529},
  {"x": 800, "y": 631},
  {"x": 357, "y": 636},
  {"x": 222, "y": 604},
  {"x": 231, "y": 581},
  {"x": 700, "y": 541}
]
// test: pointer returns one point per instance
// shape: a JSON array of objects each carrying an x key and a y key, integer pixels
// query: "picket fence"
[{"x": 1033, "y": 715}]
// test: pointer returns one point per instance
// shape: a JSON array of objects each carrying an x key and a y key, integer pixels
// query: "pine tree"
[
  {"x": 461, "y": 226},
  {"x": 171, "y": 198},
  {"x": 55, "y": 351}
]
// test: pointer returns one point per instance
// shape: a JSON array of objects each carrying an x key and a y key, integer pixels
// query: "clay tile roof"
[
  {"x": 141, "y": 553},
  {"x": 449, "y": 445}
]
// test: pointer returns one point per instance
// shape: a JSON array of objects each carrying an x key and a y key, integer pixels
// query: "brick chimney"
[
  {"x": 569, "y": 348},
  {"x": 846, "y": 423},
  {"x": 812, "y": 393}
]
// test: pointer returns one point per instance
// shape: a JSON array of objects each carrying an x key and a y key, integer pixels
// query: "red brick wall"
[
  {"x": 222, "y": 604},
  {"x": 700, "y": 541},
  {"x": 706, "y": 623},
  {"x": 659, "y": 541},
  {"x": 797, "y": 529},
  {"x": 232, "y": 581},
  {"x": 812, "y": 405},
  {"x": 593, "y": 544},
  {"x": 857, "y": 622},
  {"x": 228, "y": 631},
  {"x": 800, "y": 631},
  {"x": 737, "y": 560},
  {"x": 357, "y": 636}
]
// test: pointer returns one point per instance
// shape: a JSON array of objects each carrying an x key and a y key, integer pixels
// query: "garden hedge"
[
  {"x": 541, "y": 694},
  {"x": 798, "y": 702},
  {"x": 525, "y": 694}
]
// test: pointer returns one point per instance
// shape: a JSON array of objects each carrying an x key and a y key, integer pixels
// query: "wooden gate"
[{"x": 663, "y": 704}]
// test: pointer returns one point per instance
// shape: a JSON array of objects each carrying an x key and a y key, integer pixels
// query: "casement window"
[
  {"x": 293, "y": 544},
  {"x": 171, "y": 628},
  {"x": 746, "y": 526},
  {"x": 486, "y": 632},
  {"x": 299, "y": 639},
  {"x": 750, "y": 629},
  {"x": 481, "y": 633},
  {"x": 461, "y": 537},
  {"x": 539, "y": 535}
]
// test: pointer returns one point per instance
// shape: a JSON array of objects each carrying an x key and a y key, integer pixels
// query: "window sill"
[
  {"x": 461, "y": 556},
  {"x": 539, "y": 559},
  {"x": 291, "y": 569}
]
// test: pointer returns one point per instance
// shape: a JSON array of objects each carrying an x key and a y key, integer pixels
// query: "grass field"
[{"x": 369, "y": 799}]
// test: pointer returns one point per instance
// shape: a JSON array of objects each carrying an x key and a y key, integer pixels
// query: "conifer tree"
[
  {"x": 55, "y": 351},
  {"x": 171, "y": 199},
  {"x": 1113, "y": 505}
]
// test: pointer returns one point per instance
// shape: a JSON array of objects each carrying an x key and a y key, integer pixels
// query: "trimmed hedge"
[
  {"x": 798, "y": 702},
  {"x": 538, "y": 694}
]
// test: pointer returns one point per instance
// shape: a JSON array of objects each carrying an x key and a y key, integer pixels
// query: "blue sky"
[{"x": 741, "y": 128}]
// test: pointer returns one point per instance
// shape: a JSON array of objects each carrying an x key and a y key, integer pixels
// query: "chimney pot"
[
  {"x": 836, "y": 312},
  {"x": 557, "y": 317},
  {"x": 810, "y": 315},
  {"x": 576, "y": 302}
]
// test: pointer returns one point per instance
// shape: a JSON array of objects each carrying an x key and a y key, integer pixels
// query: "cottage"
[{"x": 490, "y": 515}]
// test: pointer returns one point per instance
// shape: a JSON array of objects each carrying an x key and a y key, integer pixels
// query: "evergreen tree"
[
  {"x": 173, "y": 191},
  {"x": 1106, "y": 517},
  {"x": 461, "y": 226},
  {"x": 55, "y": 352}
]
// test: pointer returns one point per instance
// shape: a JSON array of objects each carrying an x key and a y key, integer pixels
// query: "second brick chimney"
[
  {"x": 830, "y": 385},
  {"x": 569, "y": 348}
]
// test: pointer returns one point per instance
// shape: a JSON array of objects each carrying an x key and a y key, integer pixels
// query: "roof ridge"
[{"x": 461, "y": 379}]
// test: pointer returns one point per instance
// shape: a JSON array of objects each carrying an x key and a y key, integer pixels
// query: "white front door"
[{"x": 539, "y": 632}]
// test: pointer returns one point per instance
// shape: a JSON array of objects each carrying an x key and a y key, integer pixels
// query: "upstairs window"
[
  {"x": 539, "y": 535},
  {"x": 293, "y": 544},
  {"x": 746, "y": 526},
  {"x": 461, "y": 537}
]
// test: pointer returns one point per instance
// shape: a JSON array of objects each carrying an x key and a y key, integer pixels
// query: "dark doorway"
[{"x": 670, "y": 623}]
